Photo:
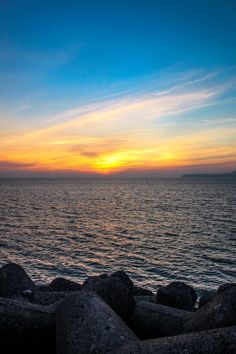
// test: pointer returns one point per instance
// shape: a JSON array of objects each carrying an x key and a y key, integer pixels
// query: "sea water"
[{"x": 158, "y": 230}]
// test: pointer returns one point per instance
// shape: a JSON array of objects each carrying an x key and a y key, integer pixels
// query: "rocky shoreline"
[{"x": 111, "y": 314}]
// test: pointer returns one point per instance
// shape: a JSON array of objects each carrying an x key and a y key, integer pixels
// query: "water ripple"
[{"x": 158, "y": 230}]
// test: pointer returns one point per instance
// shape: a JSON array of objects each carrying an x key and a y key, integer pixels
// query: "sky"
[{"x": 127, "y": 87}]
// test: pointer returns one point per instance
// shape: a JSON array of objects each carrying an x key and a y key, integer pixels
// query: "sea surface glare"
[{"x": 158, "y": 230}]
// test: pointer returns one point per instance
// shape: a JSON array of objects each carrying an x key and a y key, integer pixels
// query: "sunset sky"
[{"x": 117, "y": 86}]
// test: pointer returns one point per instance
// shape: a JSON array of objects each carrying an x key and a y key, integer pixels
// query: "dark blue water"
[{"x": 157, "y": 230}]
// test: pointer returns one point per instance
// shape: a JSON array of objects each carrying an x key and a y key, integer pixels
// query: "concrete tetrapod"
[
  {"x": 14, "y": 280},
  {"x": 86, "y": 324},
  {"x": 49, "y": 297},
  {"x": 224, "y": 286},
  {"x": 147, "y": 298},
  {"x": 220, "y": 312},
  {"x": 151, "y": 320},
  {"x": 206, "y": 296},
  {"x": 116, "y": 294},
  {"x": 62, "y": 284},
  {"x": 26, "y": 328},
  {"x": 177, "y": 294},
  {"x": 120, "y": 274},
  {"x": 215, "y": 341}
]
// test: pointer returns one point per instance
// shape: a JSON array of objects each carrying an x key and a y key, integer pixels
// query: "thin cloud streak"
[{"x": 141, "y": 130}]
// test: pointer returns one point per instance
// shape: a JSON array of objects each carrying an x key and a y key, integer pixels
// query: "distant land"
[{"x": 193, "y": 175}]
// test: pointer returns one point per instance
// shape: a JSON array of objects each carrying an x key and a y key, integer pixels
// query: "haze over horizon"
[{"x": 117, "y": 87}]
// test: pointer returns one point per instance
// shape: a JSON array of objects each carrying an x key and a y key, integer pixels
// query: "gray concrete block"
[
  {"x": 86, "y": 324},
  {"x": 151, "y": 320}
]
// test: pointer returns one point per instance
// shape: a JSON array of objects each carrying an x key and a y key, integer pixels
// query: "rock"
[
  {"x": 103, "y": 276},
  {"x": 178, "y": 295},
  {"x": 151, "y": 320},
  {"x": 206, "y": 296},
  {"x": 62, "y": 284},
  {"x": 145, "y": 298},
  {"x": 26, "y": 328},
  {"x": 217, "y": 341},
  {"x": 44, "y": 287},
  {"x": 90, "y": 281},
  {"x": 138, "y": 291},
  {"x": 27, "y": 293},
  {"x": 225, "y": 286},
  {"x": 86, "y": 324},
  {"x": 116, "y": 294},
  {"x": 125, "y": 278},
  {"x": 50, "y": 297},
  {"x": 14, "y": 281},
  {"x": 220, "y": 312}
]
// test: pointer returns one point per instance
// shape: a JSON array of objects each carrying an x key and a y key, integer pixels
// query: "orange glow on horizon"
[
  {"x": 145, "y": 133},
  {"x": 50, "y": 157}
]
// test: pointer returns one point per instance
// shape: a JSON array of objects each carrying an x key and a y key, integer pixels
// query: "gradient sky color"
[{"x": 117, "y": 86}]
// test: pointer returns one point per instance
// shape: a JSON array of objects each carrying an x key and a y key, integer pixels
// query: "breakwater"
[{"x": 110, "y": 313}]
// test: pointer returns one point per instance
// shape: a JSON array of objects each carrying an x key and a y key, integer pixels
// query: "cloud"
[
  {"x": 8, "y": 165},
  {"x": 140, "y": 129},
  {"x": 126, "y": 113}
]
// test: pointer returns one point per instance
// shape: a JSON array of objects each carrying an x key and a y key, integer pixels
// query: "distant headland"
[{"x": 194, "y": 175}]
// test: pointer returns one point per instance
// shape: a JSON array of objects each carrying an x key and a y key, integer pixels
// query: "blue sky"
[{"x": 57, "y": 56}]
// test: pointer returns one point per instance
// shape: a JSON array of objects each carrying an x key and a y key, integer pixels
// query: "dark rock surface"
[
  {"x": 116, "y": 294},
  {"x": 216, "y": 341},
  {"x": 26, "y": 328},
  {"x": 90, "y": 318},
  {"x": 206, "y": 296},
  {"x": 49, "y": 297},
  {"x": 125, "y": 278},
  {"x": 151, "y": 320},
  {"x": 103, "y": 276},
  {"x": 138, "y": 291},
  {"x": 44, "y": 287},
  {"x": 90, "y": 281},
  {"x": 14, "y": 280},
  {"x": 62, "y": 284},
  {"x": 86, "y": 324},
  {"x": 225, "y": 286},
  {"x": 220, "y": 312},
  {"x": 178, "y": 295},
  {"x": 147, "y": 298}
]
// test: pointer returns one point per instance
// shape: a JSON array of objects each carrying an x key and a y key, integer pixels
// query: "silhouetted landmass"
[{"x": 215, "y": 175}]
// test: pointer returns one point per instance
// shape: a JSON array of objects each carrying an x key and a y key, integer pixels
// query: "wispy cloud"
[
  {"x": 140, "y": 129},
  {"x": 15, "y": 165}
]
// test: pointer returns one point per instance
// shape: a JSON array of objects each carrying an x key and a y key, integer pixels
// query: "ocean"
[{"x": 158, "y": 230}]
